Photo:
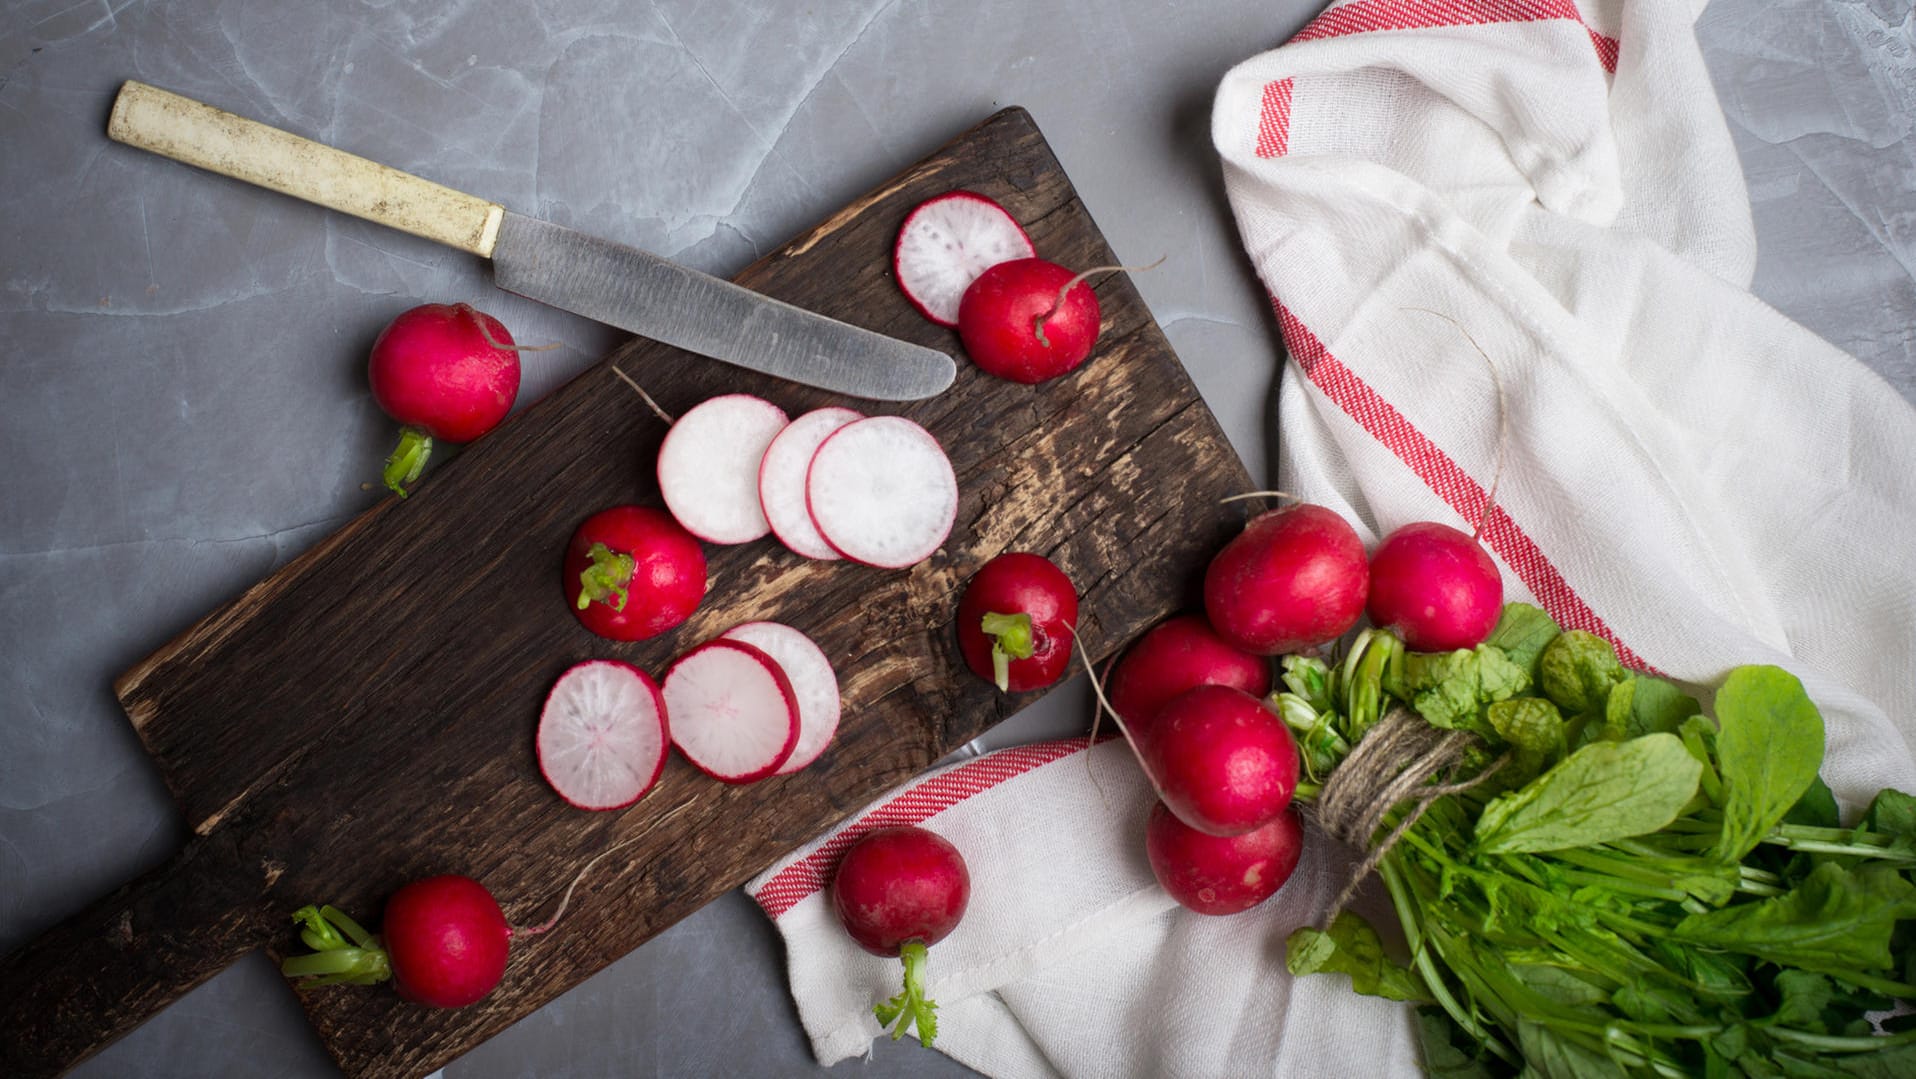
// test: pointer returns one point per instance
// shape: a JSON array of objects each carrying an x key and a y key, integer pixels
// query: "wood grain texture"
[{"x": 365, "y": 716}]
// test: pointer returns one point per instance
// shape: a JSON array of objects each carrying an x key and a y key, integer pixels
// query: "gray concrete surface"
[{"x": 181, "y": 357}]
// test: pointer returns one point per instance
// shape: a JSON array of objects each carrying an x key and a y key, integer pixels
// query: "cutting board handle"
[
  {"x": 83, "y": 984},
  {"x": 199, "y": 134}
]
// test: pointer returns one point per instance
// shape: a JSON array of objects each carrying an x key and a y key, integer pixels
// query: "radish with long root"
[
  {"x": 1222, "y": 874},
  {"x": 945, "y": 243},
  {"x": 1015, "y": 620},
  {"x": 1177, "y": 654},
  {"x": 603, "y": 734},
  {"x": 1295, "y": 578},
  {"x": 1432, "y": 584},
  {"x": 898, "y": 891},
  {"x": 1029, "y": 320},
  {"x": 633, "y": 572},
  {"x": 445, "y": 371}
]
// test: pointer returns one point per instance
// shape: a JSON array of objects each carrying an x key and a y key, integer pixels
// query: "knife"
[{"x": 604, "y": 281}]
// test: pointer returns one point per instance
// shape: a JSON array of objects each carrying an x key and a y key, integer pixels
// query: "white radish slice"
[
  {"x": 781, "y": 479},
  {"x": 946, "y": 243},
  {"x": 813, "y": 680},
  {"x": 734, "y": 714},
  {"x": 881, "y": 491},
  {"x": 602, "y": 734},
  {"x": 708, "y": 467}
]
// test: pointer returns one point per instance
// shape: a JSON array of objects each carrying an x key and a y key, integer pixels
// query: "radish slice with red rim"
[
  {"x": 734, "y": 714},
  {"x": 813, "y": 681},
  {"x": 881, "y": 491},
  {"x": 781, "y": 479},
  {"x": 708, "y": 467},
  {"x": 945, "y": 243},
  {"x": 602, "y": 734}
]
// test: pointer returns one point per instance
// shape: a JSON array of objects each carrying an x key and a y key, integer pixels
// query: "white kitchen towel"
[{"x": 1688, "y": 474}]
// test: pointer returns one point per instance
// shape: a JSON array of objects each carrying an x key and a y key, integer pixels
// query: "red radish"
[
  {"x": 632, "y": 572},
  {"x": 1173, "y": 656},
  {"x": 445, "y": 371},
  {"x": 602, "y": 734},
  {"x": 813, "y": 681},
  {"x": 1220, "y": 758},
  {"x": 708, "y": 467},
  {"x": 945, "y": 243},
  {"x": 1015, "y": 622},
  {"x": 443, "y": 944},
  {"x": 733, "y": 711},
  {"x": 898, "y": 890},
  {"x": 1028, "y": 320},
  {"x": 781, "y": 479},
  {"x": 1435, "y": 587},
  {"x": 1222, "y": 874},
  {"x": 881, "y": 491},
  {"x": 1293, "y": 579}
]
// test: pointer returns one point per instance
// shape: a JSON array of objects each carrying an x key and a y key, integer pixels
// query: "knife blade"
[{"x": 605, "y": 281}]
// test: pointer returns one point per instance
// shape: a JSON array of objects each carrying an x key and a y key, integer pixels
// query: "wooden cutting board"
[{"x": 365, "y": 716}]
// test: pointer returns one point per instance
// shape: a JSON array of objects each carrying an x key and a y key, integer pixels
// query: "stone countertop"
[{"x": 185, "y": 405}]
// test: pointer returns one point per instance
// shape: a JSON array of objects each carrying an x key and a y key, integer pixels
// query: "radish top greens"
[{"x": 1635, "y": 889}]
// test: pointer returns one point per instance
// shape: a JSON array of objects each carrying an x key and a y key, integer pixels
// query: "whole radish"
[
  {"x": 1028, "y": 320},
  {"x": 445, "y": 371},
  {"x": 633, "y": 572},
  {"x": 898, "y": 890},
  {"x": 443, "y": 943},
  {"x": 1435, "y": 587},
  {"x": 1015, "y": 622},
  {"x": 1293, "y": 579},
  {"x": 1220, "y": 759},
  {"x": 1222, "y": 874},
  {"x": 1173, "y": 656}
]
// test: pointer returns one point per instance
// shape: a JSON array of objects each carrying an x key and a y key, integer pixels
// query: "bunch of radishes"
[
  {"x": 1189, "y": 694},
  {"x": 964, "y": 262}
]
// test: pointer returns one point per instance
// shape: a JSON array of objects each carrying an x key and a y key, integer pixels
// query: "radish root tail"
[
  {"x": 1503, "y": 420},
  {"x": 644, "y": 396},
  {"x": 486, "y": 333},
  {"x": 1260, "y": 494},
  {"x": 1065, "y": 289},
  {"x": 1104, "y": 706},
  {"x": 566, "y": 899}
]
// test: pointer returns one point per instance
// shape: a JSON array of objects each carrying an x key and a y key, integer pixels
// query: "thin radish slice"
[
  {"x": 734, "y": 714},
  {"x": 781, "y": 479},
  {"x": 708, "y": 467},
  {"x": 602, "y": 734},
  {"x": 946, "y": 243},
  {"x": 813, "y": 680},
  {"x": 882, "y": 492}
]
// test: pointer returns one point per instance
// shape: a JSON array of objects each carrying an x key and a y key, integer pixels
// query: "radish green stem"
[
  {"x": 605, "y": 579},
  {"x": 408, "y": 460},
  {"x": 911, "y": 1008},
  {"x": 1011, "y": 638},
  {"x": 335, "y": 960}
]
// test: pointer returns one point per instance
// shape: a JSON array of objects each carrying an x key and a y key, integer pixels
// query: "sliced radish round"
[
  {"x": 813, "y": 680},
  {"x": 708, "y": 467},
  {"x": 734, "y": 714},
  {"x": 602, "y": 734},
  {"x": 945, "y": 243},
  {"x": 781, "y": 479},
  {"x": 881, "y": 491}
]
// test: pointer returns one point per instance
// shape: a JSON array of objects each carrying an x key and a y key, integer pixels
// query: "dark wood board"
[{"x": 365, "y": 715}]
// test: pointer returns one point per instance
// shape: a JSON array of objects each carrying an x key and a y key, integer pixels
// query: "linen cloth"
[{"x": 1687, "y": 473}]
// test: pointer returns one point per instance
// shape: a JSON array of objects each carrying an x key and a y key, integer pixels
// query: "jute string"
[{"x": 1393, "y": 763}]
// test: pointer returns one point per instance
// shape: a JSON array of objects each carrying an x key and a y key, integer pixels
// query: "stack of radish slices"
[
  {"x": 758, "y": 701},
  {"x": 831, "y": 484}
]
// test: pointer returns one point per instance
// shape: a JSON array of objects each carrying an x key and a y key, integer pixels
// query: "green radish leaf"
[
  {"x": 1449, "y": 1050},
  {"x": 1896, "y": 1063},
  {"x": 1835, "y": 919},
  {"x": 1352, "y": 947},
  {"x": 1552, "y": 1056},
  {"x": 1450, "y": 689},
  {"x": 1891, "y": 812},
  {"x": 1816, "y": 809},
  {"x": 1602, "y": 792},
  {"x": 1805, "y": 994},
  {"x": 1617, "y": 710},
  {"x": 1769, "y": 745},
  {"x": 1659, "y": 707},
  {"x": 1523, "y": 632},
  {"x": 1577, "y": 670}
]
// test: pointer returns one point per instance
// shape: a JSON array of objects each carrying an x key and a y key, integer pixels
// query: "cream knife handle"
[{"x": 198, "y": 134}]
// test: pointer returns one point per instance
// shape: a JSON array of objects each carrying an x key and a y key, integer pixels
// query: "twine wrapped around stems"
[{"x": 1395, "y": 762}]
